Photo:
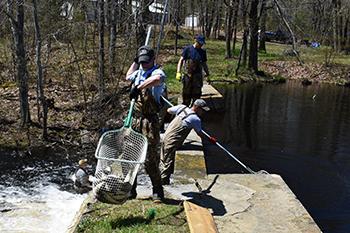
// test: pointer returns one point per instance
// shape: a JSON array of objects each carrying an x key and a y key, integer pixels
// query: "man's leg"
[
  {"x": 186, "y": 90},
  {"x": 151, "y": 131},
  {"x": 167, "y": 161},
  {"x": 197, "y": 87}
]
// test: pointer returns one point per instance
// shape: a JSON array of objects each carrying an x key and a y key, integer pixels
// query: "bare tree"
[
  {"x": 253, "y": 43},
  {"x": 101, "y": 53},
  {"x": 17, "y": 26},
  {"x": 112, "y": 39},
  {"x": 40, "y": 79},
  {"x": 228, "y": 26},
  {"x": 262, "y": 21}
]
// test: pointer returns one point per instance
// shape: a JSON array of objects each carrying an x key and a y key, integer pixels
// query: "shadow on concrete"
[
  {"x": 207, "y": 201},
  {"x": 191, "y": 147}
]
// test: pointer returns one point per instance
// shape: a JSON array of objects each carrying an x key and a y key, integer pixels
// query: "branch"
[
  {"x": 13, "y": 20},
  {"x": 279, "y": 11}
]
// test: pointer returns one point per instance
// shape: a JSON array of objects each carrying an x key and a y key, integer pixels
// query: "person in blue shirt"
[
  {"x": 148, "y": 85},
  {"x": 191, "y": 64},
  {"x": 185, "y": 120}
]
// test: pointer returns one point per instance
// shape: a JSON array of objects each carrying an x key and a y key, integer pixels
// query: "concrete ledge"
[
  {"x": 213, "y": 98},
  {"x": 245, "y": 203},
  {"x": 83, "y": 208}
]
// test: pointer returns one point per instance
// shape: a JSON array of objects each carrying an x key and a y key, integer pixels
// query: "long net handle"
[{"x": 128, "y": 120}]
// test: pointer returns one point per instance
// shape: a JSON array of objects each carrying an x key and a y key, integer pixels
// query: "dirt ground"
[{"x": 318, "y": 73}]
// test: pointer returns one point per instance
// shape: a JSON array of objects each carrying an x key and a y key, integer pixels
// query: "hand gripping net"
[{"x": 120, "y": 154}]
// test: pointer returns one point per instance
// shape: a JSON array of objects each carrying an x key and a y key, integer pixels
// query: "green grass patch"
[
  {"x": 135, "y": 216},
  {"x": 222, "y": 69}
]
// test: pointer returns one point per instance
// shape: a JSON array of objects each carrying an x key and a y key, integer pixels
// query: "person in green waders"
[
  {"x": 148, "y": 85},
  {"x": 192, "y": 62},
  {"x": 185, "y": 120}
]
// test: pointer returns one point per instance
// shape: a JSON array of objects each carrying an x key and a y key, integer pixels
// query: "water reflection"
[{"x": 301, "y": 133}]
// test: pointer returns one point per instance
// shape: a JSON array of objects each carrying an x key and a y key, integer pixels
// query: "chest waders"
[
  {"x": 147, "y": 123},
  {"x": 174, "y": 137},
  {"x": 192, "y": 80}
]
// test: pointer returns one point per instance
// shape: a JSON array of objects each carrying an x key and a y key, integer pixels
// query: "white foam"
[{"x": 43, "y": 208}]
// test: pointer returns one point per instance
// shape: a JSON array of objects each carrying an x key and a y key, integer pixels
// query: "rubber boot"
[
  {"x": 158, "y": 194},
  {"x": 133, "y": 193}
]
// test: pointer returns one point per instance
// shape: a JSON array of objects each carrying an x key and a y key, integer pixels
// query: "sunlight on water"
[{"x": 42, "y": 208}]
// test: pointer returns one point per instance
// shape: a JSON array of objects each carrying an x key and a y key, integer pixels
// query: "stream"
[{"x": 299, "y": 132}]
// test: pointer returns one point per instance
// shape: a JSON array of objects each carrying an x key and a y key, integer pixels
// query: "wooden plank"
[{"x": 199, "y": 219}]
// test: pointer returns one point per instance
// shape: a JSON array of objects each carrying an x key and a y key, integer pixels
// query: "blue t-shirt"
[
  {"x": 196, "y": 54},
  {"x": 156, "y": 91},
  {"x": 192, "y": 121}
]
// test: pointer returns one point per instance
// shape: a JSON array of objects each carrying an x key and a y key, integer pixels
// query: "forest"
[{"x": 63, "y": 63}]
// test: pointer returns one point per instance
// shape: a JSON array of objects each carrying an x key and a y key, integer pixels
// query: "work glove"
[
  {"x": 134, "y": 93},
  {"x": 212, "y": 140},
  {"x": 178, "y": 76}
]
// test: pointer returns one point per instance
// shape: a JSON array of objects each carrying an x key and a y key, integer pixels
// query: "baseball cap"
[
  {"x": 200, "y": 39},
  {"x": 82, "y": 162},
  {"x": 145, "y": 54},
  {"x": 202, "y": 104}
]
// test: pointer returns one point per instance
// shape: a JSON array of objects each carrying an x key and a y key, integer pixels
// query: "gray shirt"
[
  {"x": 192, "y": 120},
  {"x": 82, "y": 178}
]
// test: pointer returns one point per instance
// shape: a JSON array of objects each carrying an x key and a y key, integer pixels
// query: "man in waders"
[
  {"x": 148, "y": 84},
  {"x": 82, "y": 184},
  {"x": 194, "y": 60},
  {"x": 185, "y": 120}
]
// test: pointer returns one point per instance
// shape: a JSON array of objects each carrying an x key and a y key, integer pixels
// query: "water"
[
  {"x": 300, "y": 133},
  {"x": 36, "y": 193}
]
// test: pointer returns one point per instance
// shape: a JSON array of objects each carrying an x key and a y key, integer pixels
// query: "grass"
[
  {"x": 135, "y": 216},
  {"x": 219, "y": 67},
  {"x": 224, "y": 69}
]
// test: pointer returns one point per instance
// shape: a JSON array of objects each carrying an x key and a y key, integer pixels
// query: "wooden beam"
[{"x": 199, "y": 219}]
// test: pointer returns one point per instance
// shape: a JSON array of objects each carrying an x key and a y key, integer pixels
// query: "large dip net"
[{"x": 120, "y": 154}]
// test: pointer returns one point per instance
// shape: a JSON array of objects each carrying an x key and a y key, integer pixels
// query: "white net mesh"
[{"x": 120, "y": 154}]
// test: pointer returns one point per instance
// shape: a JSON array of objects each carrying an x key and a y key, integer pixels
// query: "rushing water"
[
  {"x": 36, "y": 192},
  {"x": 301, "y": 133}
]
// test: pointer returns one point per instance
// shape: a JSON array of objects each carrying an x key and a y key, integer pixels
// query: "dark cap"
[
  {"x": 202, "y": 104},
  {"x": 145, "y": 54},
  {"x": 200, "y": 39}
]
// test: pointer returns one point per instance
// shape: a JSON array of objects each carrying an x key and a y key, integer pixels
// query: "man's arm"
[
  {"x": 152, "y": 81},
  {"x": 179, "y": 64},
  {"x": 134, "y": 66},
  {"x": 205, "y": 68}
]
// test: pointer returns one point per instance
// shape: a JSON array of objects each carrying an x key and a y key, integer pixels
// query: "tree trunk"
[
  {"x": 262, "y": 20},
  {"x": 294, "y": 44},
  {"x": 334, "y": 24},
  {"x": 244, "y": 48},
  {"x": 228, "y": 29},
  {"x": 253, "y": 44},
  {"x": 40, "y": 79},
  {"x": 17, "y": 26},
  {"x": 112, "y": 40},
  {"x": 101, "y": 54},
  {"x": 162, "y": 27},
  {"x": 177, "y": 18},
  {"x": 242, "y": 52},
  {"x": 234, "y": 25}
]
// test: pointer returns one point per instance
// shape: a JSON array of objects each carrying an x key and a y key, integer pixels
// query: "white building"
[{"x": 192, "y": 19}]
